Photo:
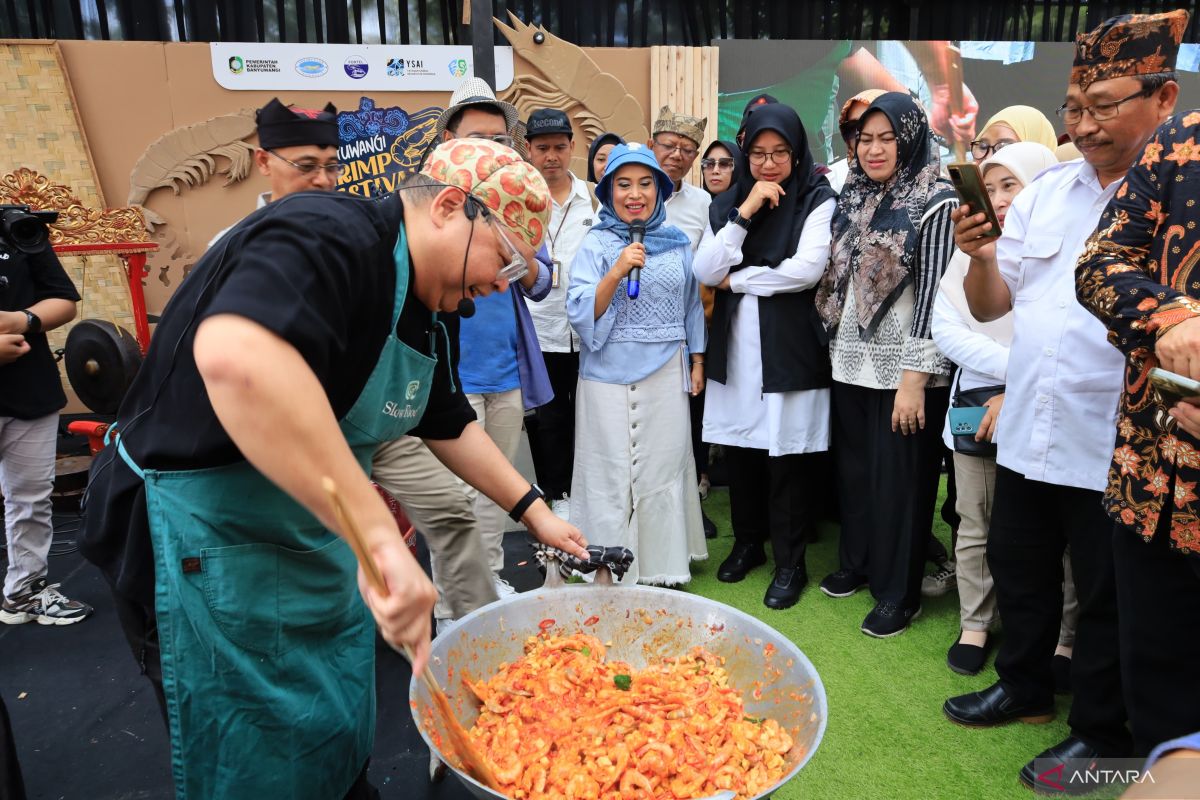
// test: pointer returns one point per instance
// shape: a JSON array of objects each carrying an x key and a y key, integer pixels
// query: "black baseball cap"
[{"x": 546, "y": 121}]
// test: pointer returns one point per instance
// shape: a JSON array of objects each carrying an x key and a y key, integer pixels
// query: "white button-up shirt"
[
  {"x": 687, "y": 209},
  {"x": 569, "y": 223},
  {"x": 1064, "y": 379}
]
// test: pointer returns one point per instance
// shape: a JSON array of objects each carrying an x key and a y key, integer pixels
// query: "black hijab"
[
  {"x": 734, "y": 151},
  {"x": 792, "y": 341},
  {"x": 601, "y": 140},
  {"x": 774, "y": 232}
]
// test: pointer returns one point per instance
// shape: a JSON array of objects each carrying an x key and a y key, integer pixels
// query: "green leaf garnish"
[{"x": 623, "y": 682}]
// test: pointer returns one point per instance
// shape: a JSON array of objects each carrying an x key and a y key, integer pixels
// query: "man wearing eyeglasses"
[
  {"x": 306, "y": 338},
  {"x": 297, "y": 151},
  {"x": 1055, "y": 433},
  {"x": 501, "y": 367},
  {"x": 676, "y": 143}
]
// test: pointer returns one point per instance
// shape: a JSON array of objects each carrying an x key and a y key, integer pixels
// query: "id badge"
[{"x": 555, "y": 269}]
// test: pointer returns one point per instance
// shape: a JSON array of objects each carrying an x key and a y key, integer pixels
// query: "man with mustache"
[{"x": 1056, "y": 430}]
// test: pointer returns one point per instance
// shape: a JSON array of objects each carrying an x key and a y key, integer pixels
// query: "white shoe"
[
  {"x": 941, "y": 581},
  {"x": 503, "y": 587},
  {"x": 562, "y": 508},
  {"x": 440, "y": 625}
]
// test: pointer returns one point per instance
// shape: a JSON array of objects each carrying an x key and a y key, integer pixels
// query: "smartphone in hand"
[
  {"x": 1173, "y": 386},
  {"x": 968, "y": 183}
]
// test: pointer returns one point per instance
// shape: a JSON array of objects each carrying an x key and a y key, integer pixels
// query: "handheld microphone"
[{"x": 637, "y": 235}]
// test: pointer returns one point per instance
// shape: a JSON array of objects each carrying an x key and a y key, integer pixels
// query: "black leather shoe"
[
  {"x": 888, "y": 619},
  {"x": 1073, "y": 755},
  {"x": 785, "y": 589},
  {"x": 842, "y": 583},
  {"x": 744, "y": 558},
  {"x": 994, "y": 706},
  {"x": 710, "y": 527}
]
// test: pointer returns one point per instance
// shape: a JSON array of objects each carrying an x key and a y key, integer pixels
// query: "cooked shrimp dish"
[{"x": 563, "y": 721}]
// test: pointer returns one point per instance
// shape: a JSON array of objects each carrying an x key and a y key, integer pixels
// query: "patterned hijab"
[{"x": 876, "y": 225}]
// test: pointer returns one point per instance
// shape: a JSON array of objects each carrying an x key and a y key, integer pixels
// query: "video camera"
[{"x": 25, "y": 229}]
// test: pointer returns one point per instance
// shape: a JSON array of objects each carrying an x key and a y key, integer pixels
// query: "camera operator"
[{"x": 35, "y": 296}]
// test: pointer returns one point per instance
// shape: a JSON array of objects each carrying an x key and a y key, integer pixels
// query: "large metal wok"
[{"x": 641, "y": 622}]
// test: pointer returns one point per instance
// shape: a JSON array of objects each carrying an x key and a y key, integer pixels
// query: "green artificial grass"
[{"x": 887, "y": 736}]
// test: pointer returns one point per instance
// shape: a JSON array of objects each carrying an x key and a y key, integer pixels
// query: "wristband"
[{"x": 525, "y": 502}]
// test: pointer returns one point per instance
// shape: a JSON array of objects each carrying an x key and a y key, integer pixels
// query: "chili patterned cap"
[
  {"x": 496, "y": 176},
  {"x": 1129, "y": 45}
]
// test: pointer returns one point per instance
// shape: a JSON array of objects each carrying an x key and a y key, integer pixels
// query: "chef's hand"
[
  {"x": 12, "y": 347},
  {"x": 403, "y": 614},
  {"x": 554, "y": 531}
]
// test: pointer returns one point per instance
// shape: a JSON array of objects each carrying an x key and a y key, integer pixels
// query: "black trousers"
[
  {"x": 11, "y": 785},
  {"x": 771, "y": 499},
  {"x": 1032, "y": 524},
  {"x": 699, "y": 446},
  {"x": 1158, "y": 599},
  {"x": 551, "y": 428},
  {"x": 887, "y": 488},
  {"x": 140, "y": 625}
]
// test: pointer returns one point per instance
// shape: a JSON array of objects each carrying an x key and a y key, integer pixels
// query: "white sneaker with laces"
[
  {"x": 503, "y": 587},
  {"x": 45, "y": 605},
  {"x": 941, "y": 581},
  {"x": 562, "y": 507}
]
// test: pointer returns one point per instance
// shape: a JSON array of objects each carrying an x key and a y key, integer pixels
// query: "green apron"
[{"x": 268, "y": 652}]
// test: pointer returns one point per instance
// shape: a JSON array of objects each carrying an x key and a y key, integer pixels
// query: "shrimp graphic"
[
  {"x": 187, "y": 156},
  {"x": 599, "y": 101}
]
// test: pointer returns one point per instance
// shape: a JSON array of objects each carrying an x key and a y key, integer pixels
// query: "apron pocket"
[
  {"x": 269, "y": 599},
  {"x": 241, "y": 590}
]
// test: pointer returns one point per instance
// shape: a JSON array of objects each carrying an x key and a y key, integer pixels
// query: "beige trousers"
[
  {"x": 433, "y": 498},
  {"x": 502, "y": 415},
  {"x": 975, "y": 478}
]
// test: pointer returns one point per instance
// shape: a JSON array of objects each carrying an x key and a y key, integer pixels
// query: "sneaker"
[
  {"x": 888, "y": 619},
  {"x": 842, "y": 583},
  {"x": 441, "y": 625},
  {"x": 940, "y": 581},
  {"x": 562, "y": 507},
  {"x": 503, "y": 587},
  {"x": 45, "y": 605}
]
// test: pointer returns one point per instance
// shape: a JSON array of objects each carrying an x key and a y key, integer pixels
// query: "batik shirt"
[{"x": 1138, "y": 276}]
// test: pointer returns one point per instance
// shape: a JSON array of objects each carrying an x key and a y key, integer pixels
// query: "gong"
[{"x": 101, "y": 360}]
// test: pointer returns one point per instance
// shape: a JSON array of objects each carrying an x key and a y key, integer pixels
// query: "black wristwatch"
[
  {"x": 33, "y": 323},
  {"x": 534, "y": 493},
  {"x": 738, "y": 219}
]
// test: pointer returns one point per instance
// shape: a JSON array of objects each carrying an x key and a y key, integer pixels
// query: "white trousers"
[{"x": 27, "y": 451}]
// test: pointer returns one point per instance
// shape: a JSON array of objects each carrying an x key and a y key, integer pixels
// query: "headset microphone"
[{"x": 466, "y": 305}]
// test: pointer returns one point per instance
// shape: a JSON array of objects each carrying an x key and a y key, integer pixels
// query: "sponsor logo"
[
  {"x": 395, "y": 411},
  {"x": 458, "y": 67},
  {"x": 395, "y": 67},
  {"x": 356, "y": 67},
  {"x": 236, "y": 65},
  {"x": 254, "y": 65},
  {"x": 410, "y": 392},
  {"x": 312, "y": 67}
]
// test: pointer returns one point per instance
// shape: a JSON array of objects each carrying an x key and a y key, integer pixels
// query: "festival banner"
[
  {"x": 381, "y": 146},
  {"x": 246, "y": 66}
]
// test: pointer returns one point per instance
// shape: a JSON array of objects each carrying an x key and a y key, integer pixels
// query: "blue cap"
[{"x": 632, "y": 153}]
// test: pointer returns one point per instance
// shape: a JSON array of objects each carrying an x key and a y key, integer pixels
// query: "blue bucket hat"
[{"x": 632, "y": 153}]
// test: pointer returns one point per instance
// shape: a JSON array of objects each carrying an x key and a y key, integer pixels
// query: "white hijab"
[{"x": 1025, "y": 160}]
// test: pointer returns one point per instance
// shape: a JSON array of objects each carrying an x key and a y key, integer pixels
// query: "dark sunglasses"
[
  {"x": 849, "y": 131},
  {"x": 722, "y": 163}
]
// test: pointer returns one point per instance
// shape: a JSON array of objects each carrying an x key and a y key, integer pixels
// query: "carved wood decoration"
[
  {"x": 571, "y": 81},
  {"x": 77, "y": 224}
]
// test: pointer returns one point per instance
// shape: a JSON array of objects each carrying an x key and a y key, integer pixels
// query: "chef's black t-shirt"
[
  {"x": 315, "y": 268},
  {"x": 30, "y": 387}
]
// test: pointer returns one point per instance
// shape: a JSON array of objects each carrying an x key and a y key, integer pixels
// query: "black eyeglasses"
[
  {"x": 716, "y": 163},
  {"x": 334, "y": 170},
  {"x": 1073, "y": 115},
  {"x": 981, "y": 149}
]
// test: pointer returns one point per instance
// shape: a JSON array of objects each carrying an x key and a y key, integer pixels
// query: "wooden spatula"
[{"x": 473, "y": 762}]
